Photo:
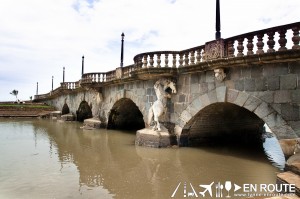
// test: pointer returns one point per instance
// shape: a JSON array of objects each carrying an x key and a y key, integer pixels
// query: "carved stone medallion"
[{"x": 214, "y": 49}]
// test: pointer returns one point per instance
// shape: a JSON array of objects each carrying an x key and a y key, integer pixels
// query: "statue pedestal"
[{"x": 150, "y": 138}]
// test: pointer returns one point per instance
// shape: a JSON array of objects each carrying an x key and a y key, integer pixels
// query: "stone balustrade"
[
  {"x": 275, "y": 39},
  {"x": 69, "y": 85},
  {"x": 225, "y": 48},
  {"x": 264, "y": 41},
  {"x": 174, "y": 59},
  {"x": 94, "y": 77}
]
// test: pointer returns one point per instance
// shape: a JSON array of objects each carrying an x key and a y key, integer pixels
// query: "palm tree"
[{"x": 15, "y": 93}]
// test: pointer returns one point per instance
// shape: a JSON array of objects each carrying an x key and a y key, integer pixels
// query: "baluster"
[
  {"x": 180, "y": 60},
  {"x": 282, "y": 40},
  {"x": 198, "y": 56},
  {"x": 186, "y": 59},
  {"x": 271, "y": 42},
  {"x": 139, "y": 62},
  {"x": 192, "y": 57},
  {"x": 230, "y": 49},
  {"x": 158, "y": 60},
  {"x": 250, "y": 45},
  {"x": 166, "y": 60},
  {"x": 174, "y": 60},
  {"x": 260, "y": 44},
  {"x": 240, "y": 47},
  {"x": 295, "y": 38},
  {"x": 145, "y": 62},
  {"x": 151, "y": 61}
]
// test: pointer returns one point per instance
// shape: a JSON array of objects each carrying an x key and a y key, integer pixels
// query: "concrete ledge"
[
  {"x": 150, "y": 138},
  {"x": 68, "y": 117},
  {"x": 91, "y": 123}
]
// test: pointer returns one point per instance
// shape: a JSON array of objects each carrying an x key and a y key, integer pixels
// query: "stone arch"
[
  {"x": 222, "y": 94},
  {"x": 125, "y": 115},
  {"x": 84, "y": 111}
]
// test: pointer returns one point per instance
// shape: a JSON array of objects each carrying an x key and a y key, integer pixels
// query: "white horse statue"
[{"x": 159, "y": 106}]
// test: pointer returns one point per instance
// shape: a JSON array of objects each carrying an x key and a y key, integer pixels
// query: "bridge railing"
[
  {"x": 124, "y": 72},
  {"x": 230, "y": 47},
  {"x": 280, "y": 38},
  {"x": 69, "y": 85},
  {"x": 264, "y": 41},
  {"x": 174, "y": 59}
]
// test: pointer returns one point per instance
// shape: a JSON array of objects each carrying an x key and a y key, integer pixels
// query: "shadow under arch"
[
  {"x": 125, "y": 115},
  {"x": 243, "y": 100},
  {"x": 223, "y": 123},
  {"x": 84, "y": 111}
]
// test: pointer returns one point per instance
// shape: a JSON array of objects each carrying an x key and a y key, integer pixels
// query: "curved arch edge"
[{"x": 262, "y": 109}]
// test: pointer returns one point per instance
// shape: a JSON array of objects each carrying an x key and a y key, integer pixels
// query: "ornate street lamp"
[{"x": 122, "y": 48}]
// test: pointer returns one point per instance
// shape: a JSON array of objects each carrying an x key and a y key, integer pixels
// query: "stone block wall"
[{"x": 267, "y": 90}]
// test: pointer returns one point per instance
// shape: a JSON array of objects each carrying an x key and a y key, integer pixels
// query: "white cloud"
[{"x": 38, "y": 38}]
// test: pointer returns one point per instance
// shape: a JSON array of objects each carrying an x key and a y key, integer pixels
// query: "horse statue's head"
[{"x": 170, "y": 85}]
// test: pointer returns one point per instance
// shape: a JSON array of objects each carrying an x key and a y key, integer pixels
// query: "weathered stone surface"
[
  {"x": 91, "y": 123},
  {"x": 288, "y": 82},
  {"x": 55, "y": 114},
  {"x": 231, "y": 95},
  {"x": 263, "y": 110},
  {"x": 289, "y": 147},
  {"x": 290, "y": 178},
  {"x": 68, "y": 117},
  {"x": 249, "y": 85},
  {"x": 241, "y": 98},
  {"x": 273, "y": 83},
  {"x": 221, "y": 93},
  {"x": 282, "y": 96},
  {"x": 290, "y": 112},
  {"x": 252, "y": 103},
  {"x": 150, "y": 138},
  {"x": 293, "y": 164}
]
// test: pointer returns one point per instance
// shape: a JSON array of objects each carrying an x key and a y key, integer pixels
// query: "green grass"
[{"x": 24, "y": 105}]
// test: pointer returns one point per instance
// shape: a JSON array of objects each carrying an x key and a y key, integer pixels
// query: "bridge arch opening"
[
  {"x": 84, "y": 111},
  {"x": 223, "y": 123},
  {"x": 125, "y": 115}
]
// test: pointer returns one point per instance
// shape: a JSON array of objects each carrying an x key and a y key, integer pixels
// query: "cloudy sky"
[{"x": 40, "y": 37}]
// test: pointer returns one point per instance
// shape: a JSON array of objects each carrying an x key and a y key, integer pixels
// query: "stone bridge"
[{"x": 229, "y": 86}]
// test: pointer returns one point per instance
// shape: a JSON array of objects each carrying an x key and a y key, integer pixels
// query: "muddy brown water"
[{"x": 49, "y": 159}]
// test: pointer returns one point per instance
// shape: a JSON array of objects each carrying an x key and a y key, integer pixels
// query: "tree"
[{"x": 15, "y": 93}]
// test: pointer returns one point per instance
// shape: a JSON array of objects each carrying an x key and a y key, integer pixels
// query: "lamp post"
[
  {"x": 63, "y": 74},
  {"x": 37, "y": 88},
  {"x": 218, "y": 23},
  {"x": 52, "y": 83},
  {"x": 82, "y": 66},
  {"x": 122, "y": 48}
]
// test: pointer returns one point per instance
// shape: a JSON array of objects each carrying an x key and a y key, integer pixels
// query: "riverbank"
[{"x": 29, "y": 109}]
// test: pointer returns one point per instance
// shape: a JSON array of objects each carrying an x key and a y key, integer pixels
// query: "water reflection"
[{"x": 108, "y": 165}]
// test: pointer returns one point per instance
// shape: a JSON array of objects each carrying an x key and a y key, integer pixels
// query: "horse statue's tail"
[{"x": 150, "y": 116}]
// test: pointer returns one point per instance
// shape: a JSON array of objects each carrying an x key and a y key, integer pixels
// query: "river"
[{"x": 50, "y": 159}]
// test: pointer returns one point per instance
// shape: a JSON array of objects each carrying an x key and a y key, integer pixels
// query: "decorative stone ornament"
[
  {"x": 214, "y": 49},
  {"x": 119, "y": 73},
  {"x": 219, "y": 74}
]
